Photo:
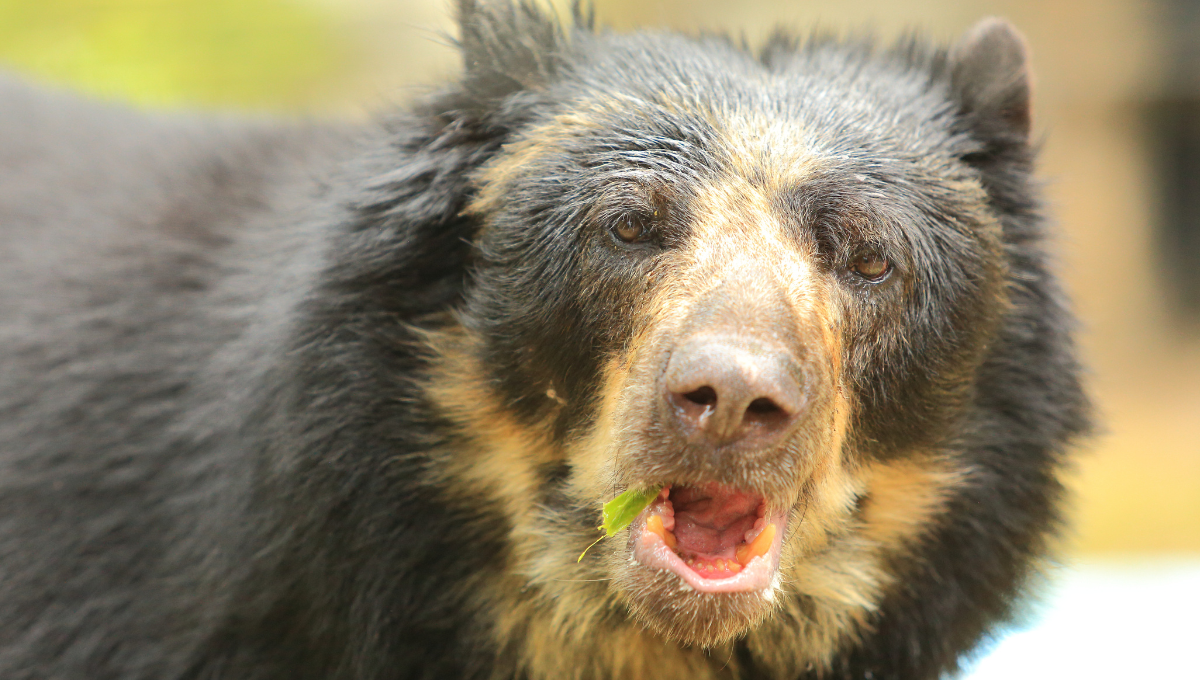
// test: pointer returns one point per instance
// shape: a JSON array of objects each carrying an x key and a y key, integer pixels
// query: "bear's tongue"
[{"x": 711, "y": 520}]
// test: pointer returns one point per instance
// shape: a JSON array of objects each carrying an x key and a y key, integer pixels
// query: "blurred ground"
[
  {"x": 1099, "y": 65},
  {"x": 1107, "y": 620}
]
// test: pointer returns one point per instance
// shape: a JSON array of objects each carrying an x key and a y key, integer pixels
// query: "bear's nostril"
[
  {"x": 705, "y": 396},
  {"x": 764, "y": 407}
]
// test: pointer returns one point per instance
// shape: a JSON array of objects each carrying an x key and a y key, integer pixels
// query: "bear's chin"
[{"x": 663, "y": 603}]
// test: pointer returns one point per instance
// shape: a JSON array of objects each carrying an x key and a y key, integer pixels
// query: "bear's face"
[{"x": 764, "y": 287}]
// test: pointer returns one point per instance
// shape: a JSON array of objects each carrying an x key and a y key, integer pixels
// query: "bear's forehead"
[
  {"x": 838, "y": 101},
  {"x": 617, "y": 142},
  {"x": 694, "y": 122}
]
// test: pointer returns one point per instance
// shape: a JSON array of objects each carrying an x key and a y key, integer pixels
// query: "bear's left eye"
[
  {"x": 631, "y": 228},
  {"x": 871, "y": 266}
]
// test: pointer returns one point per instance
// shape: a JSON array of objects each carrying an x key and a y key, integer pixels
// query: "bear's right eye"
[
  {"x": 871, "y": 266},
  {"x": 631, "y": 228}
]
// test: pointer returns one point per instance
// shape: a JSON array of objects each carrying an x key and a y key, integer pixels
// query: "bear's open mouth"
[{"x": 718, "y": 539}]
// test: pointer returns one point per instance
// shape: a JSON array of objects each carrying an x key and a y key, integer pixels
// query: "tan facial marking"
[
  {"x": 502, "y": 458},
  {"x": 839, "y": 573},
  {"x": 766, "y": 147},
  {"x": 593, "y": 457},
  {"x": 906, "y": 495},
  {"x": 497, "y": 177}
]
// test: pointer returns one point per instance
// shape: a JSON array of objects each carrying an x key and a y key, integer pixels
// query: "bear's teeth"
[
  {"x": 655, "y": 526},
  {"x": 758, "y": 547}
]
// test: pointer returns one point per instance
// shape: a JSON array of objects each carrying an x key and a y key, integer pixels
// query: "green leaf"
[{"x": 622, "y": 510}]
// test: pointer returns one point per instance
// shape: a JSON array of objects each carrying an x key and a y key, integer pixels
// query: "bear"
[{"x": 303, "y": 400}]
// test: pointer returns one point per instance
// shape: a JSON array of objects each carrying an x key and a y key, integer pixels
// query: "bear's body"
[{"x": 297, "y": 402}]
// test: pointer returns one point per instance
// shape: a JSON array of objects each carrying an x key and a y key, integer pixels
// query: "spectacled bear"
[{"x": 303, "y": 401}]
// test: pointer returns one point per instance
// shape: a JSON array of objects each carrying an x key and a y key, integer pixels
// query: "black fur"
[{"x": 216, "y": 457}]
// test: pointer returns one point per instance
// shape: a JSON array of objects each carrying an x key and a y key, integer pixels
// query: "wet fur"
[{"x": 316, "y": 403}]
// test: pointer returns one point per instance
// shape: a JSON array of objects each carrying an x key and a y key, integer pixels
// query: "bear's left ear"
[
  {"x": 990, "y": 78},
  {"x": 507, "y": 46}
]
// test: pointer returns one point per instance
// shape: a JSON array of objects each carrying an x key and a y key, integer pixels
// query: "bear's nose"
[{"x": 724, "y": 390}]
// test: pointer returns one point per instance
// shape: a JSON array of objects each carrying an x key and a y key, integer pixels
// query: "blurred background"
[{"x": 1117, "y": 105}]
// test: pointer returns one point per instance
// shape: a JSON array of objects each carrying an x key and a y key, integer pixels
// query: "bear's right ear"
[
  {"x": 990, "y": 79},
  {"x": 507, "y": 47}
]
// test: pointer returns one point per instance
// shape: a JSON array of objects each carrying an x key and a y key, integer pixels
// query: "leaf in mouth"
[{"x": 622, "y": 510}]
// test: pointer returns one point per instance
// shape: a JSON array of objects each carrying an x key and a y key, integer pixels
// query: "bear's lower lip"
[{"x": 716, "y": 538}]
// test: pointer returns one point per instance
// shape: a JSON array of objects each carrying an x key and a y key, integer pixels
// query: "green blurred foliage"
[{"x": 253, "y": 54}]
